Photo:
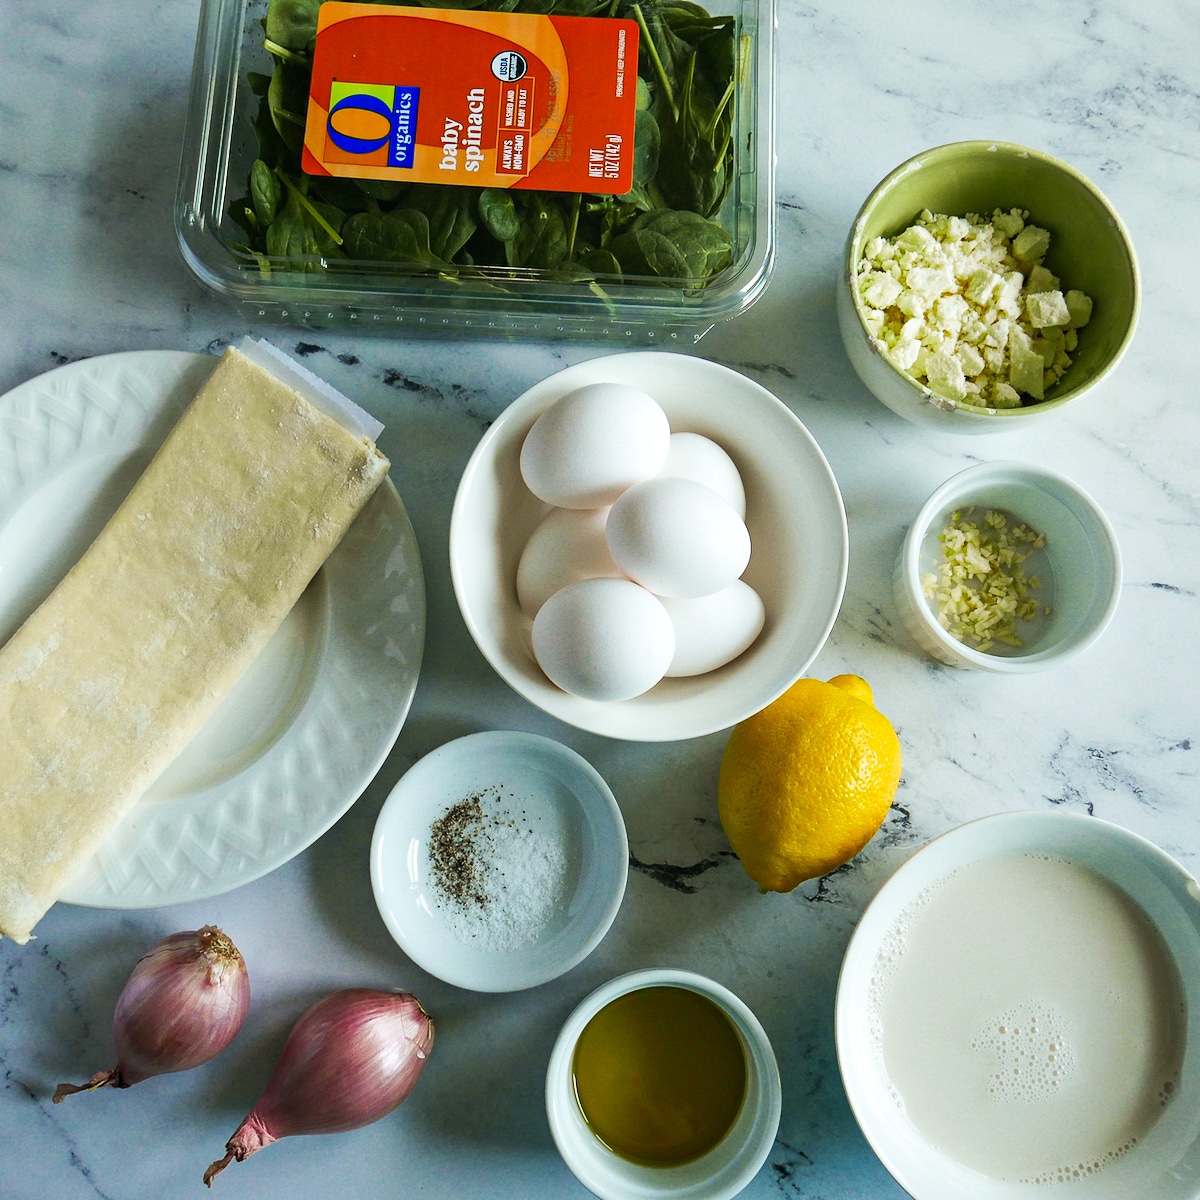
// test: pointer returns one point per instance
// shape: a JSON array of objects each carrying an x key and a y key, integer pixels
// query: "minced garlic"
[
  {"x": 980, "y": 589},
  {"x": 965, "y": 306}
]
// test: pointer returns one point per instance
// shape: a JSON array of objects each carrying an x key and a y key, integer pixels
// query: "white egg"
[
  {"x": 694, "y": 456},
  {"x": 593, "y": 443},
  {"x": 713, "y": 630},
  {"x": 677, "y": 538},
  {"x": 567, "y": 545},
  {"x": 603, "y": 639}
]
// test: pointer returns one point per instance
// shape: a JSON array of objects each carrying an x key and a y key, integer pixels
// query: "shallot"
[
  {"x": 352, "y": 1058},
  {"x": 183, "y": 1004}
]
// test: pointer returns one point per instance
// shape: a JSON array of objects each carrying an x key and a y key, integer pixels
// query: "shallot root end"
[
  {"x": 109, "y": 1078},
  {"x": 216, "y": 1168}
]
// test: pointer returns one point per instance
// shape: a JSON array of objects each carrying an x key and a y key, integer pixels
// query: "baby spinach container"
[{"x": 690, "y": 244}]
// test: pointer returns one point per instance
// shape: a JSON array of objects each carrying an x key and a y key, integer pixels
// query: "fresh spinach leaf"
[
  {"x": 647, "y": 143},
  {"x": 450, "y": 212},
  {"x": 543, "y": 238},
  {"x": 287, "y": 98},
  {"x": 498, "y": 212},
  {"x": 346, "y": 194},
  {"x": 399, "y": 236},
  {"x": 304, "y": 231},
  {"x": 264, "y": 192},
  {"x": 704, "y": 245},
  {"x": 645, "y": 252},
  {"x": 601, "y": 262},
  {"x": 383, "y": 191},
  {"x": 292, "y": 24}
]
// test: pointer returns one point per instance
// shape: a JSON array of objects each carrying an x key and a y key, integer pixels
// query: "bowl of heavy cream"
[{"x": 1019, "y": 1010}]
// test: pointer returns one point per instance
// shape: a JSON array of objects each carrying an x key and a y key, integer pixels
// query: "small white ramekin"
[
  {"x": 556, "y": 791},
  {"x": 718, "y": 1175},
  {"x": 1080, "y": 544}
]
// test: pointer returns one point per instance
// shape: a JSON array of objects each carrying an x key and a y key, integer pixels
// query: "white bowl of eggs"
[{"x": 649, "y": 546}]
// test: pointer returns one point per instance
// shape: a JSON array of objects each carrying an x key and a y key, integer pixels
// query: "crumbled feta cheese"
[
  {"x": 917, "y": 237},
  {"x": 970, "y": 360},
  {"x": 998, "y": 336},
  {"x": 930, "y": 282},
  {"x": 1027, "y": 371},
  {"x": 945, "y": 375},
  {"x": 984, "y": 286},
  {"x": 1047, "y": 348},
  {"x": 904, "y": 353},
  {"x": 965, "y": 306},
  {"x": 1080, "y": 308},
  {"x": 950, "y": 309},
  {"x": 1010, "y": 294},
  {"x": 995, "y": 358},
  {"x": 881, "y": 289},
  {"x": 1041, "y": 280},
  {"x": 1006, "y": 396},
  {"x": 1045, "y": 308},
  {"x": 1031, "y": 244},
  {"x": 1008, "y": 224},
  {"x": 974, "y": 329}
]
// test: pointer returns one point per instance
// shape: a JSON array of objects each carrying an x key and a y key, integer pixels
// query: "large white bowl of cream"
[{"x": 1019, "y": 1009}]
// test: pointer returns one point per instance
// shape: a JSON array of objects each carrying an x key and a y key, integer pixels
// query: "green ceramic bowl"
[{"x": 1089, "y": 250}]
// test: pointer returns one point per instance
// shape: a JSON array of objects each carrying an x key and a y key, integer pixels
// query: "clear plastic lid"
[{"x": 690, "y": 243}]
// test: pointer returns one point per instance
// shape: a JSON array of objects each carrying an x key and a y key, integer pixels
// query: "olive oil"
[{"x": 660, "y": 1075}]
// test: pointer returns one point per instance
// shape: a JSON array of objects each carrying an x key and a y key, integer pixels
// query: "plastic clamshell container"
[{"x": 219, "y": 149}]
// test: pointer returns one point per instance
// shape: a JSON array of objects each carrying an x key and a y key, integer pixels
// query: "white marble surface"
[{"x": 92, "y": 99}]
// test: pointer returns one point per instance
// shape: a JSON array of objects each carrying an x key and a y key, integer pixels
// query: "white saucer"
[{"x": 560, "y": 797}]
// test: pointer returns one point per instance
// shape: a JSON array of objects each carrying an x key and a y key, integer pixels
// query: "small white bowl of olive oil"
[{"x": 662, "y": 1085}]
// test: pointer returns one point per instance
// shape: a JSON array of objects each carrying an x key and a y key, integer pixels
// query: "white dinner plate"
[{"x": 303, "y": 732}]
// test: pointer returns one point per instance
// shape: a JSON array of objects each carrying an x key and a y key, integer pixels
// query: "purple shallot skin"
[
  {"x": 351, "y": 1059},
  {"x": 184, "y": 1002}
]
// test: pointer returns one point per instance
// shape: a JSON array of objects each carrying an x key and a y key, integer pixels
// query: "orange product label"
[{"x": 482, "y": 99}]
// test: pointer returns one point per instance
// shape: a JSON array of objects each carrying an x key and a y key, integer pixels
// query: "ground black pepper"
[{"x": 454, "y": 857}]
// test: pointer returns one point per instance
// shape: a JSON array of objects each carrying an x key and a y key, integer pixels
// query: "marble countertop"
[{"x": 92, "y": 102}]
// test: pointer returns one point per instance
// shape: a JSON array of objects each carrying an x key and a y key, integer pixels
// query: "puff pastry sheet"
[{"x": 109, "y": 678}]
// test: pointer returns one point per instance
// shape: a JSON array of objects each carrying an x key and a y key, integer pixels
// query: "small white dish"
[
  {"x": 308, "y": 725},
  {"x": 718, "y": 1175},
  {"x": 794, "y": 511},
  {"x": 1164, "y": 1164},
  {"x": 552, "y": 791},
  {"x": 1081, "y": 567}
]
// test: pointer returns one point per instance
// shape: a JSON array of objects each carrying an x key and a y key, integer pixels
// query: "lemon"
[{"x": 807, "y": 782}]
